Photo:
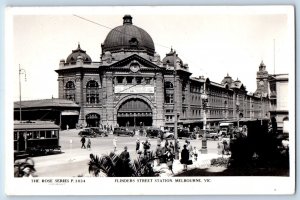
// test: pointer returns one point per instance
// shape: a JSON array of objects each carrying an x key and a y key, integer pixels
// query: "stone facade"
[{"x": 131, "y": 86}]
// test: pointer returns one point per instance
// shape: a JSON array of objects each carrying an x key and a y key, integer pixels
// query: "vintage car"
[
  {"x": 87, "y": 132},
  {"x": 154, "y": 132},
  {"x": 99, "y": 132},
  {"x": 185, "y": 133},
  {"x": 210, "y": 134},
  {"x": 123, "y": 131}
]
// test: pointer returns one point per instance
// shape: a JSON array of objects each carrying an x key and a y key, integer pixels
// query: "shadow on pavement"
[{"x": 219, "y": 171}]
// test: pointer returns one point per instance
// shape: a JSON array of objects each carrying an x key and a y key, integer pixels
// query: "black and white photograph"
[{"x": 133, "y": 100}]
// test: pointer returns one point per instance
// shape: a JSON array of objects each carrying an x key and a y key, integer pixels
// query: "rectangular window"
[
  {"x": 70, "y": 97},
  {"x": 29, "y": 135},
  {"x": 129, "y": 80},
  {"x": 42, "y": 134},
  {"x": 54, "y": 134},
  {"x": 35, "y": 135},
  {"x": 148, "y": 81},
  {"x": 169, "y": 98},
  {"x": 92, "y": 98},
  {"x": 138, "y": 80},
  {"x": 48, "y": 134},
  {"x": 15, "y": 135},
  {"x": 120, "y": 79}
]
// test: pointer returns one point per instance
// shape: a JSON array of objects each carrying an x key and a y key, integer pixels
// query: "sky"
[{"x": 213, "y": 41}]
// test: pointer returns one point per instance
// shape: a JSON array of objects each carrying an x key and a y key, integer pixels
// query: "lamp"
[
  {"x": 238, "y": 113},
  {"x": 204, "y": 99}
]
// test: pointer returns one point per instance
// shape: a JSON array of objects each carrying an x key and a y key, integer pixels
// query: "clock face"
[
  {"x": 134, "y": 67},
  {"x": 261, "y": 83}
]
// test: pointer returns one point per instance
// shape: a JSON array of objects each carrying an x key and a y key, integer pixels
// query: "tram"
[{"x": 35, "y": 137}]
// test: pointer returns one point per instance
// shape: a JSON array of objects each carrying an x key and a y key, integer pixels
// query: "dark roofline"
[{"x": 55, "y": 102}]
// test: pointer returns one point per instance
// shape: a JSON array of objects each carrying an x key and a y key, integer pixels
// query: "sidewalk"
[{"x": 203, "y": 161}]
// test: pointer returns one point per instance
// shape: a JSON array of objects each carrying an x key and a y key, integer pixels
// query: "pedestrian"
[
  {"x": 89, "y": 144},
  {"x": 137, "y": 145},
  {"x": 125, "y": 157},
  {"x": 184, "y": 157},
  {"x": 115, "y": 144},
  {"x": 67, "y": 127},
  {"x": 195, "y": 153},
  {"x": 177, "y": 147},
  {"x": 169, "y": 159},
  {"x": 166, "y": 143},
  {"x": 189, "y": 147},
  {"x": 220, "y": 146},
  {"x": 171, "y": 146},
  {"x": 83, "y": 142},
  {"x": 146, "y": 146},
  {"x": 158, "y": 154},
  {"x": 225, "y": 149}
]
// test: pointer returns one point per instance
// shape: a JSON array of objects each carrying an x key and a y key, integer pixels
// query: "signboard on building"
[{"x": 133, "y": 89}]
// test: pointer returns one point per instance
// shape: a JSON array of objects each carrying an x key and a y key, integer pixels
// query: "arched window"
[
  {"x": 92, "y": 92},
  {"x": 70, "y": 91},
  {"x": 168, "y": 85},
  {"x": 70, "y": 85}
]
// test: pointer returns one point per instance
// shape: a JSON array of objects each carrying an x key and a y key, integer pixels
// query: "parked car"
[
  {"x": 156, "y": 132},
  {"x": 87, "y": 132},
  {"x": 123, "y": 131},
  {"x": 185, "y": 133},
  {"x": 210, "y": 134},
  {"x": 153, "y": 132},
  {"x": 99, "y": 131},
  {"x": 225, "y": 129}
]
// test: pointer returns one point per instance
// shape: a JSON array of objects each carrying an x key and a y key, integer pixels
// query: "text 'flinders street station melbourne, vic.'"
[{"x": 132, "y": 86}]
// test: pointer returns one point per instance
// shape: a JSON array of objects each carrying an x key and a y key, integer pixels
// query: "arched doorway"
[
  {"x": 134, "y": 113},
  {"x": 93, "y": 120}
]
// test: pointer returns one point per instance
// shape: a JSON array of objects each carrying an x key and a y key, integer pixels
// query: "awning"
[{"x": 70, "y": 112}]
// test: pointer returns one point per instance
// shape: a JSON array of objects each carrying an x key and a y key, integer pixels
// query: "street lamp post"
[
  {"x": 238, "y": 113},
  {"x": 21, "y": 71},
  {"x": 204, "y": 106},
  {"x": 175, "y": 111}
]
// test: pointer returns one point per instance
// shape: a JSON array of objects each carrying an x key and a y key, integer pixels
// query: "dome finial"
[
  {"x": 127, "y": 19},
  {"x": 171, "y": 49},
  {"x": 78, "y": 46}
]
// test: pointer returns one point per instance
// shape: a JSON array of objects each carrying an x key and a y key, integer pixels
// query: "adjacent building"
[{"x": 279, "y": 93}]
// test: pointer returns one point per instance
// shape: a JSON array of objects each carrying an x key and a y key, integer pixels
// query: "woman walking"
[{"x": 184, "y": 157}]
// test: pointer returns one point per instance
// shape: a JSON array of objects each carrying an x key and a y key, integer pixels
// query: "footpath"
[{"x": 203, "y": 162}]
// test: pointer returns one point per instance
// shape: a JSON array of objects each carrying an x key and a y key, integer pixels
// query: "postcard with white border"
[{"x": 134, "y": 100}]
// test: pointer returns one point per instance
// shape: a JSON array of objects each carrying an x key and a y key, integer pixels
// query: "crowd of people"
[{"x": 165, "y": 151}]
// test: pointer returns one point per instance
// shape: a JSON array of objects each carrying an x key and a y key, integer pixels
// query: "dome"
[
  {"x": 169, "y": 59},
  {"x": 128, "y": 37},
  {"x": 76, "y": 53},
  {"x": 227, "y": 80}
]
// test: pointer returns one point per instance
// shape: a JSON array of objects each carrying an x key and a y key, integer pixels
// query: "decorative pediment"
[{"x": 134, "y": 64}]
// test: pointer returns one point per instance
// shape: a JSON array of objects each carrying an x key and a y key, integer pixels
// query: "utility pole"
[{"x": 21, "y": 71}]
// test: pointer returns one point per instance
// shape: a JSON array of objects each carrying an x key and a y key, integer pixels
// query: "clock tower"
[{"x": 262, "y": 80}]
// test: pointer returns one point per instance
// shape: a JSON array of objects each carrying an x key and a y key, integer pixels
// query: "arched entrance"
[
  {"x": 134, "y": 113},
  {"x": 93, "y": 120}
]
